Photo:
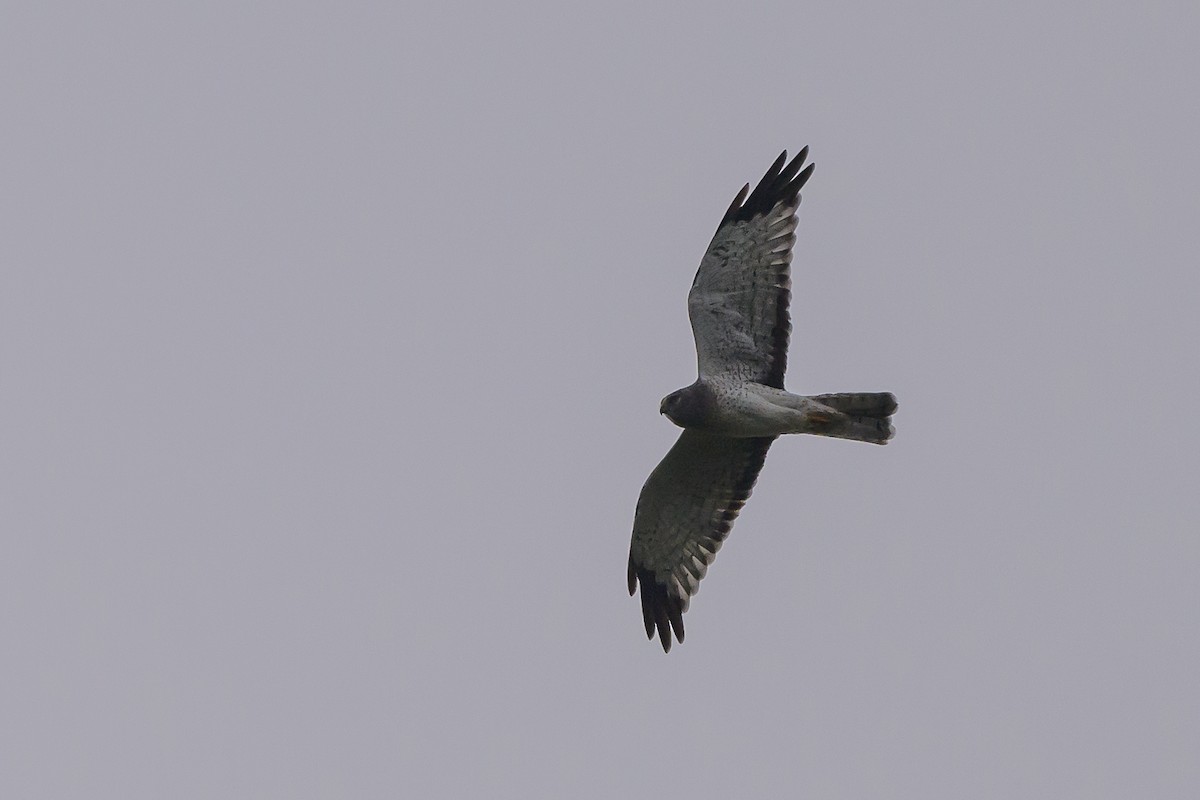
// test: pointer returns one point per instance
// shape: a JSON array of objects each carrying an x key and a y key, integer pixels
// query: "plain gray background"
[{"x": 332, "y": 344}]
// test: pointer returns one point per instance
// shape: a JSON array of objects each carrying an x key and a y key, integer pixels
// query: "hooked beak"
[{"x": 662, "y": 407}]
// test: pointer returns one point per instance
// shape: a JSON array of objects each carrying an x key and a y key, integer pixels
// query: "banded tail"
[{"x": 862, "y": 416}]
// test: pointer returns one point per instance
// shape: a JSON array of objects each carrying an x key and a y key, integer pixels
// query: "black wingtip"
[
  {"x": 661, "y": 613},
  {"x": 675, "y": 612},
  {"x": 778, "y": 165},
  {"x": 781, "y": 183},
  {"x": 737, "y": 201}
]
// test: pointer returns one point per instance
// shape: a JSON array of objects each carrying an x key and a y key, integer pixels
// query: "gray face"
[{"x": 688, "y": 407}]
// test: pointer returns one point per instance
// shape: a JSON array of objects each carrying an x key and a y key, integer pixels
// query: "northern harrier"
[{"x": 738, "y": 306}]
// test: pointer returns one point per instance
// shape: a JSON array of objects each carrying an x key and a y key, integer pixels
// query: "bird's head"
[{"x": 688, "y": 407}]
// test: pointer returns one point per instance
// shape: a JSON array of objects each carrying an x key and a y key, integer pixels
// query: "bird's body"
[
  {"x": 738, "y": 307},
  {"x": 746, "y": 409}
]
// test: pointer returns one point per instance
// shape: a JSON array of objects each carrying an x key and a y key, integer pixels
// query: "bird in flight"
[{"x": 738, "y": 306}]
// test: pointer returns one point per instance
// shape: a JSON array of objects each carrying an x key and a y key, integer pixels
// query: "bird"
[{"x": 737, "y": 407}]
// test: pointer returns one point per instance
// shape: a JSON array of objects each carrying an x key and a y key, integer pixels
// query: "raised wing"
[
  {"x": 683, "y": 515},
  {"x": 739, "y": 301}
]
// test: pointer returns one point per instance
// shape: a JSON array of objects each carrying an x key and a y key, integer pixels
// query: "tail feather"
[
  {"x": 860, "y": 404},
  {"x": 861, "y": 416},
  {"x": 876, "y": 430}
]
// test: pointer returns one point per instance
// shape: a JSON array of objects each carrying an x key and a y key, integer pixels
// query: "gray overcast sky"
[{"x": 331, "y": 346}]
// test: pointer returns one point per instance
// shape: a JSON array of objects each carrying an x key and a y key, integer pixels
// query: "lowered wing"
[{"x": 684, "y": 513}]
